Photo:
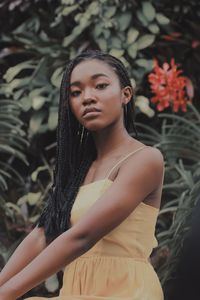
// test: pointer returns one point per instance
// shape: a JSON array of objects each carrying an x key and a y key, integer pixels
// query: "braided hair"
[{"x": 75, "y": 150}]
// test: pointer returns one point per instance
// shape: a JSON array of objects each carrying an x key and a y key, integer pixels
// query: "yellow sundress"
[{"x": 117, "y": 267}]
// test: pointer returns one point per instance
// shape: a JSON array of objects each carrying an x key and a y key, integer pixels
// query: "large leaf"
[
  {"x": 145, "y": 41},
  {"x": 132, "y": 35},
  {"x": 148, "y": 10}
]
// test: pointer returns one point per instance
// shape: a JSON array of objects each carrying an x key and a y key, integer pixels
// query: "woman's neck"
[{"x": 110, "y": 141}]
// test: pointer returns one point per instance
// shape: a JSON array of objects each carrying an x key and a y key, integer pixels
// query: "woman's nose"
[{"x": 88, "y": 97}]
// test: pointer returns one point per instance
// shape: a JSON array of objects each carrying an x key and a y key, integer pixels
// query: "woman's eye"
[
  {"x": 102, "y": 85},
  {"x": 74, "y": 93}
]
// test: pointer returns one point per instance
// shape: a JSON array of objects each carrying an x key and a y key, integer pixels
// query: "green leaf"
[
  {"x": 106, "y": 33},
  {"x": 53, "y": 118},
  {"x": 30, "y": 198},
  {"x": 143, "y": 104},
  {"x": 115, "y": 42},
  {"x": 56, "y": 77},
  {"x": 12, "y": 171},
  {"x": 69, "y": 9},
  {"x": 110, "y": 11},
  {"x": 34, "y": 175},
  {"x": 97, "y": 30},
  {"x": 33, "y": 198},
  {"x": 145, "y": 41},
  {"x": 67, "y": 2},
  {"x": 142, "y": 18},
  {"x": 38, "y": 102},
  {"x": 94, "y": 8},
  {"x": 3, "y": 184},
  {"x": 162, "y": 20},
  {"x": 145, "y": 63},
  {"x": 132, "y": 35},
  {"x": 17, "y": 95},
  {"x": 154, "y": 28},
  {"x": 13, "y": 71},
  {"x": 16, "y": 83},
  {"x": 124, "y": 20},
  {"x": 13, "y": 207},
  {"x": 26, "y": 103},
  {"x": 148, "y": 11},
  {"x": 52, "y": 283},
  {"x": 116, "y": 52},
  {"x": 125, "y": 62},
  {"x": 76, "y": 32},
  {"x": 36, "y": 120},
  {"x": 102, "y": 44},
  {"x": 10, "y": 150},
  {"x": 132, "y": 50}
]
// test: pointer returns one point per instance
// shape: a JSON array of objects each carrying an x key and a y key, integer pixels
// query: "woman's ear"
[{"x": 127, "y": 94}]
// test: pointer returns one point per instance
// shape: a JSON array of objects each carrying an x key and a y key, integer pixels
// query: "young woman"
[{"x": 100, "y": 217}]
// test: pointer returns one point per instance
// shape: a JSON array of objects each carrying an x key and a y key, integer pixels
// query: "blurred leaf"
[
  {"x": 132, "y": 50},
  {"x": 143, "y": 104},
  {"x": 116, "y": 52},
  {"x": 132, "y": 35},
  {"x": 145, "y": 63},
  {"x": 110, "y": 11},
  {"x": 102, "y": 44},
  {"x": 53, "y": 118},
  {"x": 148, "y": 10},
  {"x": 30, "y": 198},
  {"x": 154, "y": 28},
  {"x": 26, "y": 103},
  {"x": 56, "y": 77},
  {"x": 69, "y": 9},
  {"x": 35, "y": 174},
  {"x": 115, "y": 42},
  {"x": 162, "y": 20},
  {"x": 124, "y": 20},
  {"x": 52, "y": 283},
  {"x": 145, "y": 41},
  {"x": 142, "y": 18},
  {"x": 36, "y": 121},
  {"x": 13, "y": 71},
  {"x": 38, "y": 102}
]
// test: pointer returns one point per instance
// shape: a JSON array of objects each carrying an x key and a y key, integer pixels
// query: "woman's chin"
[{"x": 94, "y": 125}]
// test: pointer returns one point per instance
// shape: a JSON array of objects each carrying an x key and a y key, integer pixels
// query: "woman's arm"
[
  {"x": 137, "y": 179},
  {"x": 28, "y": 249},
  {"x": 53, "y": 258}
]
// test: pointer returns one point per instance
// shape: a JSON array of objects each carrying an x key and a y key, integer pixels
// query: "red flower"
[{"x": 169, "y": 87}]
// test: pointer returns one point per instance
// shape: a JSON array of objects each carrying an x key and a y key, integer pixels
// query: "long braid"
[{"x": 75, "y": 149}]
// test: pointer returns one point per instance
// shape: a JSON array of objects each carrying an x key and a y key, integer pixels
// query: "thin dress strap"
[{"x": 124, "y": 159}]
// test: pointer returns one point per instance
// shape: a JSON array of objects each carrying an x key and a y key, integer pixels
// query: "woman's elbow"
[{"x": 82, "y": 240}]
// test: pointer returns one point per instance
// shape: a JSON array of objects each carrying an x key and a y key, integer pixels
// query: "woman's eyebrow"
[{"x": 94, "y": 76}]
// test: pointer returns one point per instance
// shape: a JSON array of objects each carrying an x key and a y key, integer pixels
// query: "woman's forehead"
[{"x": 91, "y": 67}]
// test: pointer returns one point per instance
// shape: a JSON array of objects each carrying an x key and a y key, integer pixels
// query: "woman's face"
[{"x": 96, "y": 96}]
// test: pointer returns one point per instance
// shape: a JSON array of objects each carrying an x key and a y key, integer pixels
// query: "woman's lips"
[{"x": 91, "y": 114}]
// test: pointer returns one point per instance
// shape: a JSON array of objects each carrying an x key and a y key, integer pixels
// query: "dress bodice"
[{"x": 134, "y": 237}]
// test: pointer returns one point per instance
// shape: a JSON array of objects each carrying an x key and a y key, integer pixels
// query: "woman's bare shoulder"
[
  {"x": 148, "y": 160},
  {"x": 147, "y": 152}
]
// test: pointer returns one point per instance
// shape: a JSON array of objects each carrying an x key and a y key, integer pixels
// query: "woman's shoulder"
[
  {"x": 150, "y": 152},
  {"x": 144, "y": 157}
]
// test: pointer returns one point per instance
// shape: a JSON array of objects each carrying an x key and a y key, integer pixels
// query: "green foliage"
[
  {"x": 48, "y": 39},
  {"x": 13, "y": 142},
  {"x": 179, "y": 141}
]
